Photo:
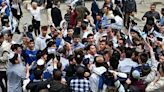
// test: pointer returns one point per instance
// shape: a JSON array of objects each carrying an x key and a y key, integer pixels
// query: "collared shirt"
[{"x": 80, "y": 85}]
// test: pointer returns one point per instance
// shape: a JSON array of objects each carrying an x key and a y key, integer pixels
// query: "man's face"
[
  {"x": 149, "y": 27},
  {"x": 90, "y": 39},
  {"x": 106, "y": 10},
  {"x": 120, "y": 42},
  {"x": 70, "y": 32},
  {"x": 44, "y": 33},
  {"x": 31, "y": 45},
  {"x": 133, "y": 34},
  {"x": 79, "y": 23},
  {"x": 152, "y": 7},
  {"x": 161, "y": 59},
  {"x": 53, "y": 31},
  {"x": 19, "y": 50},
  {"x": 92, "y": 50},
  {"x": 102, "y": 45},
  {"x": 76, "y": 40},
  {"x": 98, "y": 17}
]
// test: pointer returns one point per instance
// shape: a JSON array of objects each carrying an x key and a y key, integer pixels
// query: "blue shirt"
[{"x": 30, "y": 56}]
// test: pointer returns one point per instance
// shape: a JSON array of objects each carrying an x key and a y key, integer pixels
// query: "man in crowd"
[{"x": 85, "y": 57}]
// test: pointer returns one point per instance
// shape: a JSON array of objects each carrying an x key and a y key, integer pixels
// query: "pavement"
[{"x": 141, "y": 9}]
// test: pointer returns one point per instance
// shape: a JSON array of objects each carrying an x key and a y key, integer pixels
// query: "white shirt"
[
  {"x": 119, "y": 20},
  {"x": 40, "y": 42},
  {"x": 126, "y": 65},
  {"x": 35, "y": 13}
]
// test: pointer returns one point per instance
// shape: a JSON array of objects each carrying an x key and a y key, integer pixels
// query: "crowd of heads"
[{"x": 87, "y": 50}]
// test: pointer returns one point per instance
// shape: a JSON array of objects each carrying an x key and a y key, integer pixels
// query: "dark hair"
[
  {"x": 50, "y": 43},
  {"x": 44, "y": 28},
  {"x": 32, "y": 40},
  {"x": 114, "y": 62},
  {"x": 128, "y": 52},
  {"x": 162, "y": 9},
  {"x": 30, "y": 28},
  {"x": 89, "y": 35},
  {"x": 153, "y": 4},
  {"x": 100, "y": 26},
  {"x": 76, "y": 36},
  {"x": 15, "y": 47},
  {"x": 1, "y": 35},
  {"x": 38, "y": 74},
  {"x": 84, "y": 26},
  {"x": 10, "y": 34},
  {"x": 12, "y": 60},
  {"x": 79, "y": 55},
  {"x": 57, "y": 74},
  {"x": 40, "y": 53},
  {"x": 80, "y": 70},
  {"x": 88, "y": 46},
  {"x": 144, "y": 57},
  {"x": 70, "y": 57},
  {"x": 150, "y": 21},
  {"x": 103, "y": 41},
  {"x": 59, "y": 65},
  {"x": 162, "y": 53}
]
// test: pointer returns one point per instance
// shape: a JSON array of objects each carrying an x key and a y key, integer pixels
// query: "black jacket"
[
  {"x": 33, "y": 86},
  {"x": 57, "y": 86},
  {"x": 56, "y": 16}
]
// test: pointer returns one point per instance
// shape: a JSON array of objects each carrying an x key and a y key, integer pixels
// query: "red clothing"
[{"x": 73, "y": 19}]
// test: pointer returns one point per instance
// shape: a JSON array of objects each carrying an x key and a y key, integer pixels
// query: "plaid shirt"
[{"x": 80, "y": 85}]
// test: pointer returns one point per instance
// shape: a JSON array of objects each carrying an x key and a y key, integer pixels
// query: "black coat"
[
  {"x": 33, "y": 86},
  {"x": 56, "y": 16},
  {"x": 57, "y": 86}
]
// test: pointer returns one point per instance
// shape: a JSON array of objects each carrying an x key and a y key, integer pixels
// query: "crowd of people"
[{"x": 101, "y": 49}]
